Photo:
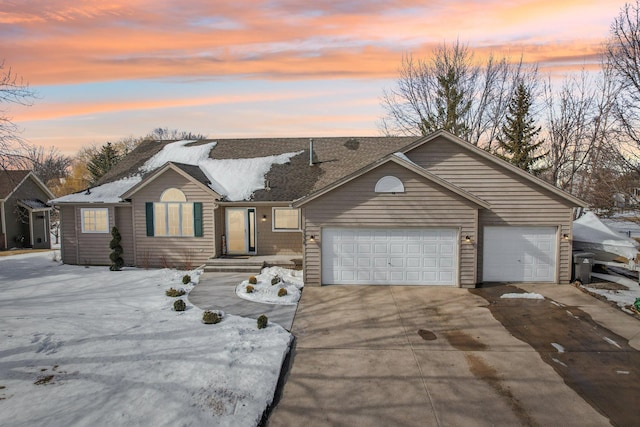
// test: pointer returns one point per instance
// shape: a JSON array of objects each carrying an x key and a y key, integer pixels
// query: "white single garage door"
[
  {"x": 519, "y": 254},
  {"x": 362, "y": 256}
]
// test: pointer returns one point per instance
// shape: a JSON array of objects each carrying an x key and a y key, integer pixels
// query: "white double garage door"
[{"x": 409, "y": 256}]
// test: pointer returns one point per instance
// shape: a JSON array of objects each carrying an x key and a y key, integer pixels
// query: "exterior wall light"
[
  {"x": 312, "y": 238},
  {"x": 467, "y": 239},
  {"x": 264, "y": 218},
  {"x": 565, "y": 236}
]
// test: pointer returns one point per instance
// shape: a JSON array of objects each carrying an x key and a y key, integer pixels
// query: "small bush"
[
  {"x": 262, "y": 322},
  {"x": 275, "y": 280},
  {"x": 250, "y": 289},
  {"x": 282, "y": 292},
  {"x": 253, "y": 280},
  {"x": 174, "y": 292},
  {"x": 186, "y": 279},
  {"x": 211, "y": 317},
  {"x": 179, "y": 305}
]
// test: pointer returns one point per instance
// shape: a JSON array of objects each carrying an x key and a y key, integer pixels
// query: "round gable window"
[{"x": 389, "y": 184}]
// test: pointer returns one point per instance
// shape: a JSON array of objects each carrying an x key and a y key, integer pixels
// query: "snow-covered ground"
[
  {"x": 623, "y": 298},
  {"x": 266, "y": 292},
  {"x": 525, "y": 295},
  {"x": 86, "y": 346}
]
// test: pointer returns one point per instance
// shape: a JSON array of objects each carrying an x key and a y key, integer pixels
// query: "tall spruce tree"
[
  {"x": 518, "y": 142},
  {"x": 102, "y": 162}
]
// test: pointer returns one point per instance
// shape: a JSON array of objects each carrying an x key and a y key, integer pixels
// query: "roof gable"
[
  {"x": 407, "y": 164},
  {"x": 192, "y": 173},
  {"x": 497, "y": 161},
  {"x": 11, "y": 180}
]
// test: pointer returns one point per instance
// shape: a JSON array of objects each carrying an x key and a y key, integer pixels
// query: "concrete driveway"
[{"x": 417, "y": 356}]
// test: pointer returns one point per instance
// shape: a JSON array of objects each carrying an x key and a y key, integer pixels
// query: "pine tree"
[
  {"x": 519, "y": 133},
  {"x": 102, "y": 162},
  {"x": 451, "y": 105},
  {"x": 116, "y": 250}
]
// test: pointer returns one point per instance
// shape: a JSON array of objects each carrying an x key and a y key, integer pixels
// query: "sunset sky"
[{"x": 107, "y": 69}]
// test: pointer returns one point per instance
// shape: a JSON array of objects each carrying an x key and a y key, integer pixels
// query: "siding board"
[
  {"x": 424, "y": 204},
  {"x": 514, "y": 200}
]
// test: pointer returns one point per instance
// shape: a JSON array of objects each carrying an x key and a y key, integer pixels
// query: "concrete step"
[{"x": 252, "y": 269}]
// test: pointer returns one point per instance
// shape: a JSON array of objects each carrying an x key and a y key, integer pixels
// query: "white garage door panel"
[
  {"x": 519, "y": 254},
  {"x": 389, "y": 256}
]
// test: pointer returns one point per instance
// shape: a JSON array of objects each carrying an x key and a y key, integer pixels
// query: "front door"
[{"x": 241, "y": 231}]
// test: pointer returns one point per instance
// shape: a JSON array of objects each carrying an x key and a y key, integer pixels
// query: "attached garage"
[
  {"x": 398, "y": 256},
  {"x": 520, "y": 254}
]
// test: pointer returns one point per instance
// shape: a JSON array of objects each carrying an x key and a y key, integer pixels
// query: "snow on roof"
[
  {"x": 236, "y": 179},
  {"x": 106, "y": 193}
]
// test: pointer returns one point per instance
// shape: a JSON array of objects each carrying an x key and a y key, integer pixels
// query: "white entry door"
[
  {"x": 241, "y": 230},
  {"x": 519, "y": 254},
  {"x": 363, "y": 256}
]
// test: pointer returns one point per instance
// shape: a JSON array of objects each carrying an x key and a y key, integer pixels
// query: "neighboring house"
[
  {"x": 24, "y": 213},
  {"x": 431, "y": 210}
]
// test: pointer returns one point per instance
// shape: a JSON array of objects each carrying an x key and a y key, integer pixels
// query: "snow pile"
[
  {"x": 237, "y": 179},
  {"x": 589, "y": 233},
  {"x": 623, "y": 298},
  {"x": 265, "y": 292},
  {"x": 106, "y": 193},
  {"x": 178, "y": 152},
  {"x": 85, "y": 346},
  {"x": 525, "y": 295}
]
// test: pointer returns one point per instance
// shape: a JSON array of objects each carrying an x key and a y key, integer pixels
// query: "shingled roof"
[
  {"x": 9, "y": 180},
  {"x": 333, "y": 159}
]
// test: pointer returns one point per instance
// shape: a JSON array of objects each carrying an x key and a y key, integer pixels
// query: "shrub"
[
  {"x": 249, "y": 289},
  {"x": 116, "y": 250},
  {"x": 282, "y": 292},
  {"x": 262, "y": 322},
  {"x": 275, "y": 280},
  {"x": 179, "y": 305},
  {"x": 171, "y": 292},
  {"x": 186, "y": 279},
  {"x": 211, "y": 317},
  {"x": 253, "y": 280}
]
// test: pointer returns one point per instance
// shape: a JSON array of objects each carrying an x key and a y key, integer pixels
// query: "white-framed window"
[
  {"x": 173, "y": 216},
  {"x": 95, "y": 220},
  {"x": 389, "y": 184},
  {"x": 286, "y": 219}
]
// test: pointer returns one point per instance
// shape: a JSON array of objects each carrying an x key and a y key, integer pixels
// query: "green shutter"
[
  {"x": 149, "y": 210},
  {"x": 197, "y": 219}
]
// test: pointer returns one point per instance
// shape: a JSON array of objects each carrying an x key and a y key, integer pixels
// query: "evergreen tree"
[
  {"x": 452, "y": 103},
  {"x": 518, "y": 139},
  {"x": 102, "y": 162},
  {"x": 116, "y": 250}
]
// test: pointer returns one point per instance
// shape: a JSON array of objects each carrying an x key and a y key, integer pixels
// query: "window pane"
[
  {"x": 160, "y": 219},
  {"x": 95, "y": 220},
  {"x": 173, "y": 195},
  {"x": 187, "y": 219},
  {"x": 286, "y": 219},
  {"x": 102, "y": 224},
  {"x": 173, "y": 219}
]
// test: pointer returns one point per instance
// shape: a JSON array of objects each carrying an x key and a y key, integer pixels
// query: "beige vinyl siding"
[
  {"x": 514, "y": 200},
  {"x": 68, "y": 235},
  {"x": 278, "y": 242},
  {"x": 92, "y": 248},
  {"x": 124, "y": 222},
  {"x": 166, "y": 251},
  {"x": 424, "y": 204}
]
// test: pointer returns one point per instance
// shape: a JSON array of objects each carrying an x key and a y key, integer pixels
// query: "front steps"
[{"x": 252, "y": 264}]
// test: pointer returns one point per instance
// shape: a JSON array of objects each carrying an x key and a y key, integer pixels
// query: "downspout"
[
  {"x": 30, "y": 227},
  {"x": 3, "y": 221}
]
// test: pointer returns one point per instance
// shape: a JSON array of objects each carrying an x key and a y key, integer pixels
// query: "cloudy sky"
[{"x": 107, "y": 69}]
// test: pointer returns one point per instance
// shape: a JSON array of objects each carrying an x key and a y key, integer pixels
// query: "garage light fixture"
[
  {"x": 264, "y": 218},
  {"x": 565, "y": 236},
  {"x": 312, "y": 238},
  {"x": 467, "y": 239}
]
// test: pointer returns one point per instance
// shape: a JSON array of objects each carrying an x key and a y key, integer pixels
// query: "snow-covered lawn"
[
  {"x": 623, "y": 298},
  {"x": 86, "y": 346},
  {"x": 267, "y": 292}
]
